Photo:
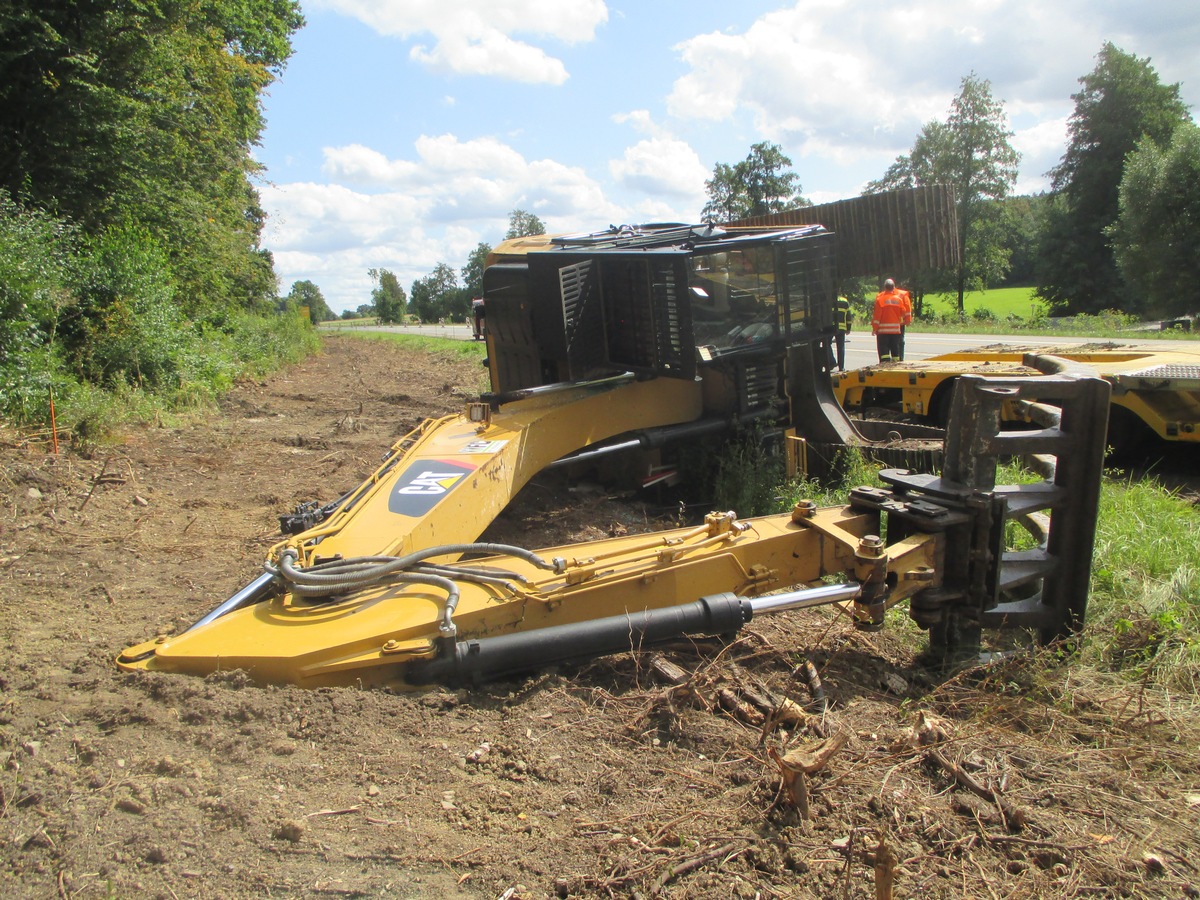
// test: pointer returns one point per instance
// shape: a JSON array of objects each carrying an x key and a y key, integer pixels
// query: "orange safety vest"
[{"x": 892, "y": 313}]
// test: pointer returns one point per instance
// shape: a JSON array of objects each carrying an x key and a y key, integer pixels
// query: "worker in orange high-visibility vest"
[{"x": 893, "y": 311}]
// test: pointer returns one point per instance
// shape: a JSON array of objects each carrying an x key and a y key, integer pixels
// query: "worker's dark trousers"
[{"x": 889, "y": 346}]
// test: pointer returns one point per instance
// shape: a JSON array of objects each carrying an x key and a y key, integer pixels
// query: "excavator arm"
[{"x": 462, "y": 612}]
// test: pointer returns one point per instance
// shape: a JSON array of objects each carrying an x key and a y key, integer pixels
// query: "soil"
[{"x": 1025, "y": 778}]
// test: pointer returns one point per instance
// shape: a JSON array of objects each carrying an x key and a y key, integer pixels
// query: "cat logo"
[{"x": 426, "y": 482}]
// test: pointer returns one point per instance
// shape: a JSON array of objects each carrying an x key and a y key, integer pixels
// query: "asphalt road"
[{"x": 860, "y": 345}]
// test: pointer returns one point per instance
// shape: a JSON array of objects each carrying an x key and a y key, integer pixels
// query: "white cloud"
[
  {"x": 357, "y": 164},
  {"x": 331, "y": 235},
  {"x": 819, "y": 76},
  {"x": 407, "y": 215},
  {"x": 663, "y": 166},
  {"x": 846, "y": 80},
  {"x": 475, "y": 37},
  {"x": 446, "y": 153},
  {"x": 1041, "y": 147},
  {"x": 310, "y": 218},
  {"x": 457, "y": 180},
  {"x": 642, "y": 122},
  {"x": 665, "y": 171}
]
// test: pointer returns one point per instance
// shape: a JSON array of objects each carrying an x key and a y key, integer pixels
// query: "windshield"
[{"x": 733, "y": 298}]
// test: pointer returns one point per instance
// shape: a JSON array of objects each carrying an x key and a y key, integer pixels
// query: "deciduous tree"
[
  {"x": 1156, "y": 237},
  {"x": 438, "y": 295},
  {"x": 1121, "y": 102},
  {"x": 762, "y": 183},
  {"x": 1024, "y": 219},
  {"x": 472, "y": 272},
  {"x": 305, "y": 293},
  {"x": 388, "y": 297},
  {"x": 523, "y": 224},
  {"x": 971, "y": 152}
]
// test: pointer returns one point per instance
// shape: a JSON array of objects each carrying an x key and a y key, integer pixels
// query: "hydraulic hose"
[{"x": 340, "y": 576}]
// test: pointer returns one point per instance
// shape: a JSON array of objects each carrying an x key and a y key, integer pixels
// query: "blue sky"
[{"x": 404, "y": 132}]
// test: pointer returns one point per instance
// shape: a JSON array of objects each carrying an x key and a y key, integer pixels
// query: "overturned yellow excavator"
[{"x": 635, "y": 341}]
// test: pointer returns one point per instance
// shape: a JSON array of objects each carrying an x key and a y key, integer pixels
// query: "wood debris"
[{"x": 800, "y": 762}]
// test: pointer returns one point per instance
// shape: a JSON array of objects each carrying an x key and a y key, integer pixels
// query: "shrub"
[
  {"x": 126, "y": 326},
  {"x": 99, "y": 322},
  {"x": 36, "y": 276}
]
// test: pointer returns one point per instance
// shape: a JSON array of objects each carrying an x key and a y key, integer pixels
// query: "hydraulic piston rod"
[{"x": 485, "y": 659}]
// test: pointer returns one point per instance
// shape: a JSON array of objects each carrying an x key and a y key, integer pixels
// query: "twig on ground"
[
  {"x": 1014, "y": 817},
  {"x": 690, "y": 865}
]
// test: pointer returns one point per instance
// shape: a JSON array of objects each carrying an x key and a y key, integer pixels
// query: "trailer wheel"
[
  {"x": 1129, "y": 439},
  {"x": 939, "y": 403}
]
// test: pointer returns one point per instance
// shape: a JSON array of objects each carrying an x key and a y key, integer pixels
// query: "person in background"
[
  {"x": 843, "y": 318},
  {"x": 908, "y": 317},
  {"x": 479, "y": 315},
  {"x": 893, "y": 310}
]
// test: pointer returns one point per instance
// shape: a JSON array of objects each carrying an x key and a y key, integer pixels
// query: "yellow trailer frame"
[{"x": 1156, "y": 389}]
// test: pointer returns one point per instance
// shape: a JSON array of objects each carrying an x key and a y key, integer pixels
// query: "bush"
[
  {"x": 126, "y": 326},
  {"x": 748, "y": 475},
  {"x": 100, "y": 324},
  {"x": 36, "y": 277}
]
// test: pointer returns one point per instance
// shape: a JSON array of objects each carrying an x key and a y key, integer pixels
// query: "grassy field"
[
  {"x": 428, "y": 343},
  {"x": 1000, "y": 302},
  {"x": 1017, "y": 311}
]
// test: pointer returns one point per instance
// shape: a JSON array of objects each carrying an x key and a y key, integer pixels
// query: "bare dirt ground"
[{"x": 1020, "y": 780}]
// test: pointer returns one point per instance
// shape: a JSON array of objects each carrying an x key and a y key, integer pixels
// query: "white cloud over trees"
[{"x": 478, "y": 37}]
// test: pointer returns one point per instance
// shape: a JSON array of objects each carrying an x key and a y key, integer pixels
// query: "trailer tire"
[
  {"x": 940, "y": 402},
  {"x": 1129, "y": 439}
]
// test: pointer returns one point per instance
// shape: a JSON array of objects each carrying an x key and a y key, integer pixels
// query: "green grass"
[
  {"x": 1017, "y": 311},
  {"x": 1002, "y": 303},
  {"x": 439, "y": 346},
  {"x": 1144, "y": 610}
]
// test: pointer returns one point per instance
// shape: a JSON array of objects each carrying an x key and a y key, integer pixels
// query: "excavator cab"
[
  {"x": 660, "y": 300},
  {"x": 722, "y": 307}
]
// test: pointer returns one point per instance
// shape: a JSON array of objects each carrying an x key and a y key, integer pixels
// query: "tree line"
[
  {"x": 130, "y": 226},
  {"x": 445, "y": 293}
]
